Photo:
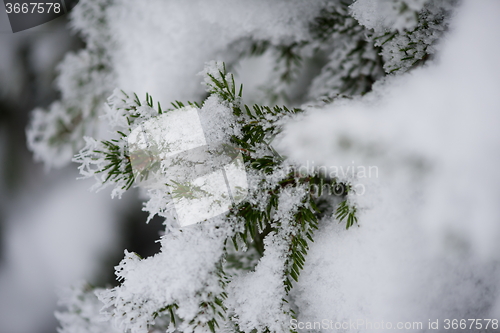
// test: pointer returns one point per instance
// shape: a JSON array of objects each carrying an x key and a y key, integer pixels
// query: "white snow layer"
[
  {"x": 427, "y": 246},
  {"x": 196, "y": 31},
  {"x": 384, "y": 14}
]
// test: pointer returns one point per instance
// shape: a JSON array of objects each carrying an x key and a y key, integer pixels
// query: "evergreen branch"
[
  {"x": 118, "y": 167},
  {"x": 222, "y": 84},
  {"x": 257, "y": 126},
  {"x": 346, "y": 212}
]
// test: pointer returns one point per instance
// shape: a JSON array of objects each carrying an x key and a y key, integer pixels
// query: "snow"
[
  {"x": 387, "y": 14},
  {"x": 175, "y": 47},
  {"x": 419, "y": 25},
  {"x": 183, "y": 273},
  {"x": 217, "y": 120},
  {"x": 427, "y": 245},
  {"x": 256, "y": 298}
]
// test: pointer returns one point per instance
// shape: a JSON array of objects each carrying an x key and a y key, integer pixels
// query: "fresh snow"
[{"x": 427, "y": 246}]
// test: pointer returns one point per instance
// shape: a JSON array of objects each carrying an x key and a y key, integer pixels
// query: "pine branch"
[
  {"x": 252, "y": 222},
  {"x": 119, "y": 167}
]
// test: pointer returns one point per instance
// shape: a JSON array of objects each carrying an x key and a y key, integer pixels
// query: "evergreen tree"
[{"x": 234, "y": 272}]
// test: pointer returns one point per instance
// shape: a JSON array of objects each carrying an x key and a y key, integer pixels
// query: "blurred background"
[{"x": 54, "y": 232}]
